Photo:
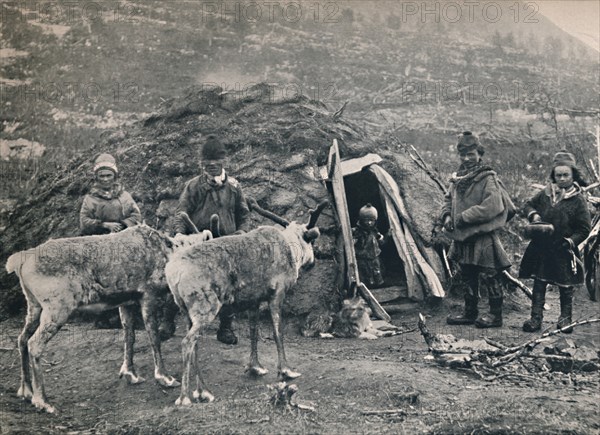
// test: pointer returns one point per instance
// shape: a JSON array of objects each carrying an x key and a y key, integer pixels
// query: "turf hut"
[{"x": 277, "y": 150}]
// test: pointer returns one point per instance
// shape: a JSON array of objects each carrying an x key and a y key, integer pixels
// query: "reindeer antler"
[
  {"x": 188, "y": 222},
  {"x": 253, "y": 205},
  {"x": 314, "y": 214}
]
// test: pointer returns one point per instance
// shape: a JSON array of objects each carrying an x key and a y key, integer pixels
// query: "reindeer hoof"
[
  {"x": 25, "y": 392},
  {"x": 204, "y": 396},
  {"x": 167, "y": 381},
  {"x": 287, "y": 374},
  {"x": 43, "y": 405},
  {"x": 131, "y": 378},
  {"x": 183, "y": 401},
  {"x": 257, "y": 371}
]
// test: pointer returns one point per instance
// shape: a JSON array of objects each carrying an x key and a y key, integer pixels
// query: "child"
[{"x": 367, "y": 244}]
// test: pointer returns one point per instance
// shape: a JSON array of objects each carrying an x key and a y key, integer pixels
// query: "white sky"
[{"x": 580, "y": 18}]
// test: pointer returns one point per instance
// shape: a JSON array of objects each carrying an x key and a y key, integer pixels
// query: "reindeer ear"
[{"x": 311, "y": 235}]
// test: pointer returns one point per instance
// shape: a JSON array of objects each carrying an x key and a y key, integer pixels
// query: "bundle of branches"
[{"x": 492, "y": 360}]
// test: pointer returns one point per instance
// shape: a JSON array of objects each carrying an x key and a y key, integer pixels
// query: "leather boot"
[
  {"x": 494, "y": 318},
  {"x": 166, "y": 329},
  {"x": 538, "y": 300},
  {"x": 566, "y": 309},
  {"x": 470, "y": 314},
  {"x": 225, "y": 333}
]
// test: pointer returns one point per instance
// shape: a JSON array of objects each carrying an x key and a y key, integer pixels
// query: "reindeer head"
[{"x": 304, "y": 236}]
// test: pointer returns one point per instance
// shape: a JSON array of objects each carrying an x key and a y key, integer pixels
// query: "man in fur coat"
[{"x": 473, "y": 212}]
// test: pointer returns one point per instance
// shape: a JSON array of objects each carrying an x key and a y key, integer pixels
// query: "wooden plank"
[
  {"x": 378, "y": 310},
  {"x": 341, "y": 206},
  {"x": 415, "y": 290},
  {"x": 387, "y": 294},
  {"x": 390, "y": 185},
  {"x": 351, "y": 166},
  {"x": 418, "y": 263},
  {"x": 336, "y": 178}
]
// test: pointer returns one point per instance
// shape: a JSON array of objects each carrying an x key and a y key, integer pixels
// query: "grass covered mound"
[{"x": 275, "y": 146}]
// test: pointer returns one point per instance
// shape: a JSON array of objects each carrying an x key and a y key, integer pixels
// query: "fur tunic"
[
  {"x": 101, "y": 206},
  {"x": 476, "y": 207},
  {"x": 202, "y": 197},
  {"x": 546, "y": 258}
]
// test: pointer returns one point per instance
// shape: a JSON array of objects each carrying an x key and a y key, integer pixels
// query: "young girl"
[
  {"x": 554, "y": 258},
  {"x": 107, "y": 208}
]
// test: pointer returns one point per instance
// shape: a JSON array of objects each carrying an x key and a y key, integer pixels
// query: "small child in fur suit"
[{"x": 367, "y": 244}]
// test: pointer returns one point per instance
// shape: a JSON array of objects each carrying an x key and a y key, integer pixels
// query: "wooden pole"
[{"x": 598, "y": 145}]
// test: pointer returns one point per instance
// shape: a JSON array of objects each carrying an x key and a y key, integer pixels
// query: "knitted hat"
[
  {"x": 105, "y": 161},
  {"x": 368, "y": 212},
  {"x": 467, "y": 141},
  {"x": 213, "y": 149},
  {"x": 564, "y": 158}
]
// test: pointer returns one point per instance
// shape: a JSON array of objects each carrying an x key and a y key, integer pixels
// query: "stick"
[
  {"x": 591, "y": 186},
  {"x": 518, "y": 283},
  {"x": 446, "y": 263},
  {"x": 521, "y": 286},
  {"x": 510, "y": 357},
  {"x": 429, "y": 172},
  {"x": 495, "y": 344},
  {"x": 385, "y": 412},
  {"x": 538, "y": 340},
  {"x": 594, "y": 170},
  {"x": 556, "y": 357},
  {"x": 598, "y": 144}
]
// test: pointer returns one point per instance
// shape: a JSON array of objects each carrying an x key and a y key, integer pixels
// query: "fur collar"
[
  {"x": 556, "y": 194},
  {"x": 217, "y": 181},
  {"x": 114, "y": 191},
  {"x": 463, "y": 182}
]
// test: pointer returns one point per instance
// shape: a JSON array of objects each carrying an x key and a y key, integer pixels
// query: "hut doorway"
[{"x": 362, "y": 188}]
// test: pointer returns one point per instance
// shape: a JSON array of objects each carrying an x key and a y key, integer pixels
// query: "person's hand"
[
  {"x": 567, "y": 244},
  {"x": 460, "y": 222},
  {"x": 113, "y": 227},
  {"x": 448, "y": 223},
  {"x": 536, "y": 218}
]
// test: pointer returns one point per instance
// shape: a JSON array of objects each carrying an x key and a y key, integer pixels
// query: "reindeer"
[
  {"x": 100, "y": 271},
  {"x": 242, "y": 270}
]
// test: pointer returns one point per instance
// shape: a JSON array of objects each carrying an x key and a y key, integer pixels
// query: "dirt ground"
[{"x": 342, "y": 379}]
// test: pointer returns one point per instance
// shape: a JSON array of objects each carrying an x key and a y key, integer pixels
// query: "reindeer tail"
[{"x": 14, "y": 262}]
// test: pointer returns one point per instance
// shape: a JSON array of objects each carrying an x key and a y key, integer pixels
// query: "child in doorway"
[{"x": 367, "y": 245}]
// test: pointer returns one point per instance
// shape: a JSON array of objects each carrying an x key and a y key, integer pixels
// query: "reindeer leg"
[
  {"x": 51, "y": 321},
  {"x": 200, "y": 315},
  {"x": 128, "y": 369},
  {"x": 201, "y": 393},
  {"x": 149, "y": 310},
  {"x": 32, "y": 321},
  {"x": 284, "y": 372},
  {"x": 254, "y": 366}
]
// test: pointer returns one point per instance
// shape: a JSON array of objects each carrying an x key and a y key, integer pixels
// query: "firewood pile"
[{"x": 561, "y": 360}]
